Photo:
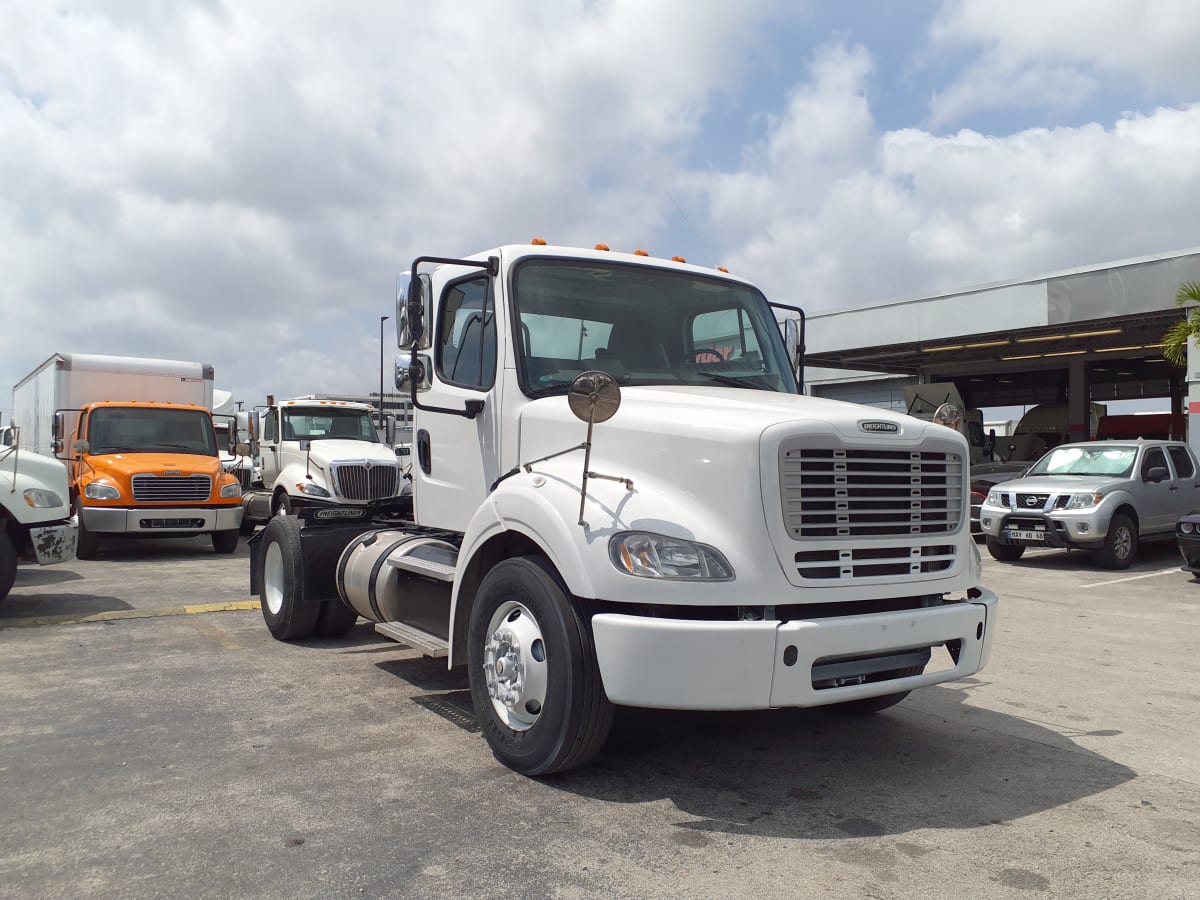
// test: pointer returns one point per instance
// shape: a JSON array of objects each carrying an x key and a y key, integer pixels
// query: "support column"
[
  {"x": 1193, "y": 407},
  {"x": 1078, "y": 402}
]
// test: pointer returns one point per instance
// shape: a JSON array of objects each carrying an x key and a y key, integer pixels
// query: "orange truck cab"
[{"x": 146, "y": 469}]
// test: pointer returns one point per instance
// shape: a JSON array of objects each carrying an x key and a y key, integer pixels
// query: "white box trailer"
[{"x": 69, "y": 380}]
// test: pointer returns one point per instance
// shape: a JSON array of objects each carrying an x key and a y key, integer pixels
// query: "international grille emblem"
[{"x": 879, "y": 427}]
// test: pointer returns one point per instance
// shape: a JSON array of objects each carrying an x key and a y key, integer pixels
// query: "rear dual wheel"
[
  {"x": 535, "y": 682},
  {"x": 288, "y": 608}
]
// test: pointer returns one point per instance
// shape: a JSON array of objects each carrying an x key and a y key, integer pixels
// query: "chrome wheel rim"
[
  {"x": 1123, "y": 543},
  {"x": 514, "y": 666},
  {"x": 273, "y": 578}
]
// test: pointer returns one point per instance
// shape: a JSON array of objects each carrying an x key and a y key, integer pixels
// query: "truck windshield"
[
  {"x": 301, "y": 424},
  {"x": 1072, "y": 460},
  {"x": 127, "y": 429},
  {"x": 644, "y": 326}
]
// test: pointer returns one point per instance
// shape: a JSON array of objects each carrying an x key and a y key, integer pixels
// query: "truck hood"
[
  {"x": 697, "y": 416},
  {"x": 24, "y": 470},
  {"x": 330, "y": 450},
  {"x": 128, "y": 464},
  {"x": 1063, "y": 484}
]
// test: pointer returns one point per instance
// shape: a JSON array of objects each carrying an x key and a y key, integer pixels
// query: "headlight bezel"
[
  {"x": 231, "y": 490},
  {"x": 42, "y": 498},
  {"x": 1083, "y": 501},
  {"x": 1188, "y": 528},
  {"x": 313, "y": 490},
  {"x": 644, "y": 553},
  {"x": 101, "y": 490}
]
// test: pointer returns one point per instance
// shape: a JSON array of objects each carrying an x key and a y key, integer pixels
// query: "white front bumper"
[{"x": 688, "y": 664}]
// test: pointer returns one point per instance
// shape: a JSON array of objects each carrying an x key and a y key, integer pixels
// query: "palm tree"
[{"x": 1174, "y": 342}]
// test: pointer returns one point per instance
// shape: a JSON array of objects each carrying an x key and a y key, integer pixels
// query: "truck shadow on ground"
[
  {"x": 126, "y": 550},
  {"x": 1151, "y": 557},
  {"x": 36, "y": 606},
  {"x": 932, "y": 762}
]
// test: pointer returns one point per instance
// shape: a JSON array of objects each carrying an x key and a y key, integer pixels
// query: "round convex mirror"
[{"x": 594, "y": 396}]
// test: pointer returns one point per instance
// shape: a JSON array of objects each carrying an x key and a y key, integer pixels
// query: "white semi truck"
[
  {"x": 609, "y": 509},
  {"x": 35, "y": 511},
  {"x": 318, "y": 452}
]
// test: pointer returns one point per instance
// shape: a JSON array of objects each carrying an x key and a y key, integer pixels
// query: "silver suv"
[{"x": 1104, "y": 496}]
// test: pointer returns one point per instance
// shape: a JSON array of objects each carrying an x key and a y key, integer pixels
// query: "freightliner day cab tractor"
[
  {"x": 621, "y": 498},
  {"x": 320, "y": 453}
]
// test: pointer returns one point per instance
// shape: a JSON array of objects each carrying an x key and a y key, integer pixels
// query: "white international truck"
[
  {"x": 610, "y": 508},
  {"x": 319, "y": 452},
  {"x": 35, "y": 511}
]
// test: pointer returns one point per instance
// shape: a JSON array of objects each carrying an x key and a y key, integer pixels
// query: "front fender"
[
  {"x": 295, "y": 473},
  {"x": 524, "y": 506}
]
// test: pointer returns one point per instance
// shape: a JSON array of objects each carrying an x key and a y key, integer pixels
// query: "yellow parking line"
[{"x": 188, "y": 610}]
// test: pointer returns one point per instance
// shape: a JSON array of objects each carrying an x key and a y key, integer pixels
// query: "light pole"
[{"x": 382, "y": 319}]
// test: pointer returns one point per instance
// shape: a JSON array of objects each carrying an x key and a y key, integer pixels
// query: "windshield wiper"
[
  {"x": 183, "y": 448},
  {"x": 741, "y": 381}
]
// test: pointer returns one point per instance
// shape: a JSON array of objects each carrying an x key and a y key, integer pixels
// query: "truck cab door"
[
  {"x": 271, "y": 464},
  {"x": 457, "y": 458},
  {"x": 1161, "y": 497}
]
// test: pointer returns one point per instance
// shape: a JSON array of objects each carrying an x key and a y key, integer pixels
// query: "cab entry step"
[
  {"x": 430, "y": 568},
  {"x": 429, "y": 644}
]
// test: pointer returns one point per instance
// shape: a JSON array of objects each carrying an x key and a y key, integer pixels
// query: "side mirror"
[
  {"x": 408, "y": 364},
  {"x": 1157, "y": 474},
  {"x": 389, "y": 430},
  {"x": 57, "y": 430},
  {"x": 412, "y": 309},
  {"x": 82, "y": 447},
  {"x": 241, "y": 449},
  {"x": 791, "y": 340}
]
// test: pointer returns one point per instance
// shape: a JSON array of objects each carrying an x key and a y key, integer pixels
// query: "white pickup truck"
[{"x": 1103, "y": 496}]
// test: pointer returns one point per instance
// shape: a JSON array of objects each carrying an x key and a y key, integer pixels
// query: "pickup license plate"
[{"x": 1026, "y": 535}]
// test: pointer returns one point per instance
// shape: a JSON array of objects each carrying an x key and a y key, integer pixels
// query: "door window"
[
  {"x": 1154, "y": 458},
  {"x": 271, "y": 428},
  {"x": 466, "y": 347},
  {"x": 1183, "y": 462}
]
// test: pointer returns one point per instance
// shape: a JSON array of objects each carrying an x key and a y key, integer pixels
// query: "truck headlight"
[
  {"x": 39, "y": 498},
  {"x": 312, "y": 490},
  {"x": 233, "y": 489},
  {"x": 993, "y": 498},
  {"x": 650, "y": 555},
  {"x": 1083, "y": 501},
  {"x": 99, "y": 491}
]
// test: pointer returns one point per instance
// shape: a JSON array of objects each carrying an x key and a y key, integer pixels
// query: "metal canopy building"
[{"x": 1088, "y": 334}]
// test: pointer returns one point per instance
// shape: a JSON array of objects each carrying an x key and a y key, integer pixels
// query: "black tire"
[
  {"x": 1004, "y": 552},
  {"x": 572, "y": 723},
  {"x": 88, "y": 546},
  {"x": 288, "y": 612},
  {"x": 8, "y": 562},
  {"x": 1120, "y": 545},
  {"x": 247, "y": 527},
  {"x": 281, "y": 504},
  {"x": 335, "y": 618},
  {"x": 225, "y": 541},
  {"x": 878, "y": 704}
]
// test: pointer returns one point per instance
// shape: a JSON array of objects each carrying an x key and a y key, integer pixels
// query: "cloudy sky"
[{"x": 238, "y": 183}]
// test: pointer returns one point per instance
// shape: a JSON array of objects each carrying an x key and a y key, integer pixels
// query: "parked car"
[
  {"x": 1187, "y": 533},
  {"x": 986, "y": 476},
  {"x": 1102, "y": 496}
]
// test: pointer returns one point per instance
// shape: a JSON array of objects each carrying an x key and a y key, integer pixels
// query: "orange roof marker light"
[
  {"x": 600, "y": 247},
  {"x": 538, "y": 242},
  {"x": 722, "y": 269},
  {"x": 678, "y": 259},
  {"x": 640, "y": 253}
]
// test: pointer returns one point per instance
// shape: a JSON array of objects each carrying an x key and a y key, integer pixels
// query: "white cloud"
[
  {"x": 908, "y": 212},
  {"x": 239, "y": 183},
  {"x": 1055, "y": 55}
]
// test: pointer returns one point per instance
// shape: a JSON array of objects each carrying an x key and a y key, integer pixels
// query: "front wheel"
[
  {"x": 225, "y": 541},
  {"x": 1120, "y": 544},
  {"x": 1004, "y": 552},
  {"x": 532, "y": 667},
  {"x": 288, "y": 612},
  {"x": 281, "y": 504},
  {"x": 88, "y": 546},
  {"x": 8, "y": 562}
]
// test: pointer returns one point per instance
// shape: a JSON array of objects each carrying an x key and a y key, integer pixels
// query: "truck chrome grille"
[
  {"x": 837, "y": 493},
  {"x": 365, "y": 481},
  {"x": 873, "y": 562},
  {"x": 171, "y": 488},
  {"x": 244, "y": 476}
]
